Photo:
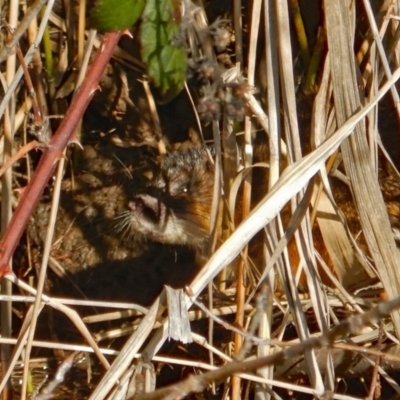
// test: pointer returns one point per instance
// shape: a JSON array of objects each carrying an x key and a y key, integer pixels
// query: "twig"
[
  {"x": 374, "y": 388},
  {"x": 20, "y": 153}
]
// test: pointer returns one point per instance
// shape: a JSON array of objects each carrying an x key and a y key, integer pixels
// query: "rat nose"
[{"x": 150, "y": 206}]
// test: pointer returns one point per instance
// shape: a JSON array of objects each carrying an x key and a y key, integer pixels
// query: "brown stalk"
[
  {"x": 38, "y": 115},
  {"x": 53, "y": 152}
]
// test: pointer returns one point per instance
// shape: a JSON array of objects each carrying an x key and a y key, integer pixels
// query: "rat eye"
[
  {"x": 179, "y": 184},
  {"x": 177, "y": 188}
]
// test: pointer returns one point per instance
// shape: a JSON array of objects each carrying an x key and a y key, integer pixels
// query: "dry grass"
[{"x": 347, "y": 90}]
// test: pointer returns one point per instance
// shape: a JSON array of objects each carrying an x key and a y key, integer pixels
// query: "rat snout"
[{"x": 149, "y": 206}]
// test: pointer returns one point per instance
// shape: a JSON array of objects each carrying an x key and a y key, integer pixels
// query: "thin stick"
[{"x": 43, "y": 271}]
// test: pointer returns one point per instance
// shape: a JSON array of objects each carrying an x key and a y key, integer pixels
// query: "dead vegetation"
[{"x": 317, "y": 94}]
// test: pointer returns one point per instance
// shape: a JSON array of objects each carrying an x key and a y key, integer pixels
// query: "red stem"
[{"x": 53, "y": 152}]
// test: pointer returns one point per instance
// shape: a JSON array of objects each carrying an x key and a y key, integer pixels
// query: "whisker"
[
  {"x": 121, "y": 223},
  {"x": 127, "y": 172}
]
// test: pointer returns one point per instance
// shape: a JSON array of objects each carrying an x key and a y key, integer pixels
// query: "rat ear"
[
  {"x": 195, "y": 138},
  {"x": 193, "y": 142}
]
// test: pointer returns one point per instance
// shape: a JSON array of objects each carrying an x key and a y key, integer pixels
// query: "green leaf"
[
  {"x": 166, "y": 62},
  {"x": 116, "y": 15}
]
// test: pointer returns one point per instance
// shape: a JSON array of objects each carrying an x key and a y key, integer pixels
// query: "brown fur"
[{"x": 176, "y": 207}]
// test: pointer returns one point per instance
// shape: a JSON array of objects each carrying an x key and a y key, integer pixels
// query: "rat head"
[{"x": 175, "y": 208}]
